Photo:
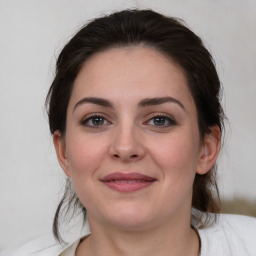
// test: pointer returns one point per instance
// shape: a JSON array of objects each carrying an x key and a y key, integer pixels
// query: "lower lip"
[{"x": 128, "y": 186}]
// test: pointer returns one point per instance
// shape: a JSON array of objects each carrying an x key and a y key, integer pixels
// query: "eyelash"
[
  {"x": 170, "y": 121},
  {"x": 85, "y": 122}
]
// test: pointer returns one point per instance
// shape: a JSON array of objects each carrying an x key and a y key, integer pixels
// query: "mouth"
[{"x": 127, "y": 182}]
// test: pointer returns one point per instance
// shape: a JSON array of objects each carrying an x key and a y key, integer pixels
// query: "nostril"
[{"x": 131, "y": 157}]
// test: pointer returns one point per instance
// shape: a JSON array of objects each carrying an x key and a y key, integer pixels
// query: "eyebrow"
[
  {"x": 159, "y": 101},
  {"x": 94, "y": 100},
  {"x": 143, "y": 103}
]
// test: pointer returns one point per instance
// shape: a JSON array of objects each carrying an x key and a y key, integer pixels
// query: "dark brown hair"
[{"x": 166, "y": 35}]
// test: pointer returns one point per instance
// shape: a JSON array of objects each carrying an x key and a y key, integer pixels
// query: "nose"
[{"x": 127, "y": 144}]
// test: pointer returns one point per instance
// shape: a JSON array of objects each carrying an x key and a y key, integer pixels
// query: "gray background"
[{"x": 32, "y": 34}]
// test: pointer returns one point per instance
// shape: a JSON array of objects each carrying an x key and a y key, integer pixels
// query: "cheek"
[
  {"x": 85, "y": 155},
  {"x": 177, "y": 157}
]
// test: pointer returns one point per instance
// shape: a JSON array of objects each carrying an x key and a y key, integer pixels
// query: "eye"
[
  {"x": 95, "y": 121},
  {"x": 161, "y": 121}
]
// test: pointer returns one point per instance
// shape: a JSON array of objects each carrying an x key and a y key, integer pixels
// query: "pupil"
[
  {"x": 97, "y": 120},
  {"x": 159, "y": 121}
]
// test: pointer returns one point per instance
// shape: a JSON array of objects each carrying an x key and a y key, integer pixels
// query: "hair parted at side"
[{"x": 166, "y": 35}]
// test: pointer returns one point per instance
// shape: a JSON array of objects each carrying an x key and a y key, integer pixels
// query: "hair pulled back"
[{"x": 166, "y": 35}]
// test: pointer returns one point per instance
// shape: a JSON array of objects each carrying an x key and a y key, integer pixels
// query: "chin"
[{"x": 130, "y": 218}]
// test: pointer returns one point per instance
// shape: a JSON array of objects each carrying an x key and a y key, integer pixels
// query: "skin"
[{"x": 129, "y": 137}]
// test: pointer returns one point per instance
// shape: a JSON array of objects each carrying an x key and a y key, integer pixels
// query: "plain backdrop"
[{"x": 32, "y": 34}]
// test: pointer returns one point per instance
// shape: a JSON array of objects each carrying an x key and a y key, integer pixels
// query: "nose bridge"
[{"x": 126, "y": 141}]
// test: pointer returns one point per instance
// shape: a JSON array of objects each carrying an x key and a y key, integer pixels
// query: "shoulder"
[
  {"x": 230, "y": 235},
  {"x": 43, "y": 246},
  {"x": 237, "y": 226}
]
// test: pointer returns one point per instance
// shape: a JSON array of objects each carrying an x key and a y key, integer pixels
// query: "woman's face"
[{"x": 132, "y": 144}]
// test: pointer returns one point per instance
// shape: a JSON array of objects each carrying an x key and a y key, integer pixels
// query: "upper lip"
[{"x": 127, "y": 176}]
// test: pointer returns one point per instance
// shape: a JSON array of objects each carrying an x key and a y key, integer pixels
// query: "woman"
[{"x": 136, "y": 119}]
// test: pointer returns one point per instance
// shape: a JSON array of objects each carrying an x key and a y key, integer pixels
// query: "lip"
[{"x": 127, "y": 182}]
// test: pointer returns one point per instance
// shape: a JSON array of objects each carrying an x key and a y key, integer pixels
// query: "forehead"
[{"x": 130, "y": 72}]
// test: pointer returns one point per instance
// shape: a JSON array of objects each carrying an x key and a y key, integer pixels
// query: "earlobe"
[
  {"x": 209, "y": 151},
  {"x": 60, "y": 149}
]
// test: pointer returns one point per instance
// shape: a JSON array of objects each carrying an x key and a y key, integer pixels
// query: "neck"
[{"x": 169, "y": 239}]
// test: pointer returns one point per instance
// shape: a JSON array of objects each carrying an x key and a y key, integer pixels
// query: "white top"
[
  {"x": 232, "y": 235},
  {"x": 71, "y": 250}
]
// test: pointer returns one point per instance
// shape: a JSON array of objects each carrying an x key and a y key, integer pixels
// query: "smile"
[{"x": 127, "y": 182}]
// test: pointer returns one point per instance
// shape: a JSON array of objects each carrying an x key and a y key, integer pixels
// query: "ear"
[
  {"x": 60, "y": 149},
  {"x": 209, "y": 151}
]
